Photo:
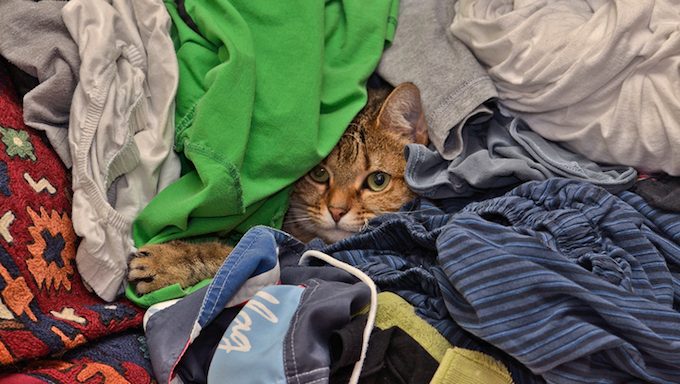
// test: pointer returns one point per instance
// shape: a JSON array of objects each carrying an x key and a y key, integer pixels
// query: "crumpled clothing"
[
  {"x": 121, "y": 128},
  {"x": 500, "y": 151},
  {"x": 599, "y": 76},
  {"x": 451, "y": 81},
  {"x": 265, "y": 98},
  {"x": 576, "y": 284},
  {"x": 36, "y": 41}
]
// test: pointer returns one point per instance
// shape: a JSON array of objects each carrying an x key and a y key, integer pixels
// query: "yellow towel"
[{"x": 464, "y": 366}]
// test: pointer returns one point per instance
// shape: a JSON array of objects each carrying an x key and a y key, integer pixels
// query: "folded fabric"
[
  {"x": 451, "y": 81},
  {"x": 266, "y": 91},
  {"x": 35, "y": 40},
  {"x": 577, "y": 284},
  {"x": 281, "y": 334},
  {"x": 399, "y": 252},
  {"x": 121, "y": 129},
  {"x": 394, "y": 311},
  {"x": 171, "y": 327},
  {"x": 598, "y": 76},
  {"x": 456, "y": 365},
  {"x": 500, "y": 151}
]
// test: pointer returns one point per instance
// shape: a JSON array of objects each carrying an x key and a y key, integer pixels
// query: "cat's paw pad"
[{"x": 153, "y": 267}]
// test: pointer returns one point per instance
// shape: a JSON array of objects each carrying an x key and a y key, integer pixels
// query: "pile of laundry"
[{"x": 543, "y": 246}]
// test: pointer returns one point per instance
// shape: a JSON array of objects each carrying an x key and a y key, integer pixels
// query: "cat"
[{"x": 361, "y": 178}]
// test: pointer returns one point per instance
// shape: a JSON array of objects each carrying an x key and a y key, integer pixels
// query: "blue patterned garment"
[{"x": 572, "y": 282}]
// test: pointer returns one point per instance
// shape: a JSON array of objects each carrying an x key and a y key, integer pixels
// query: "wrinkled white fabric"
[
  {"x": 121, "y": 128},
  {"x": 602, "y": 77}
]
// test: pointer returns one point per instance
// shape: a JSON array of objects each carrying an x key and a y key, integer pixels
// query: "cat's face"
[{"x": 364, "y": 174}]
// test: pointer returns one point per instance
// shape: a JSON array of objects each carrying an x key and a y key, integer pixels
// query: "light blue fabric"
[{"x": 251, "y": 349}]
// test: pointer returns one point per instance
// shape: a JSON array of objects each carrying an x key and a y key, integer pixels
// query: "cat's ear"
[{"x": 403, "y": 113}]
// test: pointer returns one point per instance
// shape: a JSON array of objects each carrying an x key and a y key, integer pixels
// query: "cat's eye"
[
  {"x": 319, "y": 174},
  {"x": 377, "y": 181}
]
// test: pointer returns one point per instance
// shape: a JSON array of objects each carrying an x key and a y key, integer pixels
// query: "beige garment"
[
  {"x": 121, "y": 128},
  {"x": 602, "y": 77}
]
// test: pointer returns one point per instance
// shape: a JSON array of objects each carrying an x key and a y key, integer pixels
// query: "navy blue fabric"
[
  {"x": 399, "y": 253},
  {"x": 575, "y": 283}
]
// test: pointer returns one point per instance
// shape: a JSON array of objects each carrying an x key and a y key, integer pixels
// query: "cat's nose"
[{"x": 337, "y": 213}]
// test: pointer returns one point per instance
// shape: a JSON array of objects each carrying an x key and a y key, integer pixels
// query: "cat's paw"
[{"x": 156, "y": 266}]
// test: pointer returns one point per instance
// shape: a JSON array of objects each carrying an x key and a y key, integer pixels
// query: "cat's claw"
[{"x": 147, "y": 270}]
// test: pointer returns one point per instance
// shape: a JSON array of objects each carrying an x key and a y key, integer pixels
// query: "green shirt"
[{"x": 266, "y": 89}]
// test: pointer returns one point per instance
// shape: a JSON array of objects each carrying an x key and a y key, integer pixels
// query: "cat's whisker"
[
  {"x": 337, "y": 197},
  {"x": 300, "y": 220}
]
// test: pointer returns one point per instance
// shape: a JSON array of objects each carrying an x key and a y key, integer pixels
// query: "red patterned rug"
[
  {"x": 45, "y": 309},
  {"x": 120, "y": 359}
]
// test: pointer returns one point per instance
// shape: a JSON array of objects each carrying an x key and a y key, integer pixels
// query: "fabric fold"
[
  {"x": 35, "y": 39},
  {"x": 501, "y": 151},
  {"x": 566, "y": 279},
  {"x": 451, "y": 81},
  {"x": 596, "y": 76},
  {"x": 121, "y": 128}
]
